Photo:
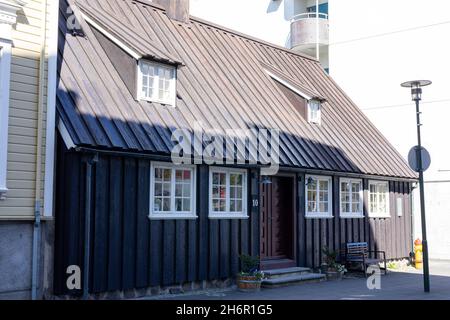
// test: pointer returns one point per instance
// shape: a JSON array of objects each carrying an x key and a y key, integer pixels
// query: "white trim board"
[
  {"x": 5, "y": 73},
  {"x": 107, "y": 34},
  {"x": 51, "y": 112},
  {"x": 65, "y": 135},
  {"x": 288, "y": 85}
]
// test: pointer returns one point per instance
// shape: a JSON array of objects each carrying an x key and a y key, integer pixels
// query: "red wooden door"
[{"x": 277, "y": 218}]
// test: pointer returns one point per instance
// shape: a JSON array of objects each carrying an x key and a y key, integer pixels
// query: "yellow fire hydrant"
[{"x": 418, "y": 256}]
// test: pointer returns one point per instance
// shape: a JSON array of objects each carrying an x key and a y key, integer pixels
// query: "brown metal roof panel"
[
  {"x": 146, "y": 49},
  {"x": 223, "y": 84}
]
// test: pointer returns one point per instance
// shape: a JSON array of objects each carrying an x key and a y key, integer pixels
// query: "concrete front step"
[
  {"x": 289, "y": 280},
  {"x": 276, "y": 273}
]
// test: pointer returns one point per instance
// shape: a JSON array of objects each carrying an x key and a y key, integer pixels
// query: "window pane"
[
  {"x": 312, "y": 206},
  {"x": 166, "y": 189},
  {"x": 166, "y": 204},
  {"x": 158, "y": 189},
  {"x": 323, "y": 185},
  {"x": 157, "y": 204},
  {"x": 187, "y": 190},
  {"x": 215, "y": 192},
  {"x": 178, "y": 175},
  {"x": 178, "y": 190},
  {"x": 323, "y": 207},
  {"x": 158, "y": 174},
  {"x": 186, "y": 204},
  {"x": 236, "y": 179},
  {"x": 233, "y": 192},
  {"x": 312, "y": 196},
  {"x": 179, "y": 204},
  {"x": 219, "y": 205},
  {"x": 233, "y": 205}
]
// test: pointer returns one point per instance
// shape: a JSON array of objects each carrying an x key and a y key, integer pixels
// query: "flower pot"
[
  {"x": 334, "y": 275},
  {"x": 248, "y": 283}
]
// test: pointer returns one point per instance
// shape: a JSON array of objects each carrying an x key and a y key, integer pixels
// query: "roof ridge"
[{"x": 231, "y": 31}]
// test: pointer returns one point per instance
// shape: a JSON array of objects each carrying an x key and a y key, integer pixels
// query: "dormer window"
[
  {"x": 304, "y": 99},
  {"x": 314, "y": 112},
  {"x": 157, "y": 82}
]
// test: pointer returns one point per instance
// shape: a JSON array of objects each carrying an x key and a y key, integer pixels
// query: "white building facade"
[{"x": 369, "y": 47}]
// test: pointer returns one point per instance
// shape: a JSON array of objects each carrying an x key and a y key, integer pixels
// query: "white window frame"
[
  {"x": 359, "y": 214},
  {"x": 5, "y": 74},
  {"x": 227, "y": 214},
  {"x": 173, "y": 83},
  {"x": 317, "y": 121},
  {"x": 386, "y": 214},
  {"x": 172, "y": 214},
  {"x": 329, "y": 213}
]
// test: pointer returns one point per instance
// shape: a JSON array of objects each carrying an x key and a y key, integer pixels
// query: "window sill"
[
  {"x": 352, "y": 216},
  {"x": 172, "y": 216},
  {"x": 163, "y": 103},
  {"x": 318, "y": 216},
  {"x": 229, "y": 216},
  {"x": 379, "y": 216}
]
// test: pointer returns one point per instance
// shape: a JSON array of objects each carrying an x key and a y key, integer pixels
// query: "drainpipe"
[
  {"x": 38, "y": 180},
  {"x": 87, "y": 224}
]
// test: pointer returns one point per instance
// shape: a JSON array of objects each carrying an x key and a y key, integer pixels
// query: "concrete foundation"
[
  {"x": 16, "y": 245},
  {"x": 16, "y": 242}
]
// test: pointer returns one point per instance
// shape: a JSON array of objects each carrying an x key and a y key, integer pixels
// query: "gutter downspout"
[
  {"x": 87, "y": 224},
  {"x": 38, "y": 180}
]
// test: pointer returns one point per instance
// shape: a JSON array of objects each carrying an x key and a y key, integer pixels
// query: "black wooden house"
[{"x": 130, "y": 74}]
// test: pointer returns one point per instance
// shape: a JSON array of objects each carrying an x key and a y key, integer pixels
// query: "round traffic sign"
[{"x": 413, "y": 161}]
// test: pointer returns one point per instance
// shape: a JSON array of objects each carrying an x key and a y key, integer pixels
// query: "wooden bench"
[{"x": 358, "y": 252}]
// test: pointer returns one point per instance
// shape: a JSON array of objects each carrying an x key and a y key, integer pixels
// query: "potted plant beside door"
[
  {"x": 250, "y": 277},
  {"x": 332, "y": 269}
]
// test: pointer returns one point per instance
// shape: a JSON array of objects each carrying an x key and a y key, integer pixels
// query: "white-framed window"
[
  {"x": 319, "y": 197},
  {"x": 351, "y": 198},
  {"x": 172, "y": 191},
  {"x": 314, "y": 112},
  {"x": 379, "y": 199},
  {"x": 227, "y": 193},
  {"x": 5, "y": 72},
  {"x": 157, "y": 82}
]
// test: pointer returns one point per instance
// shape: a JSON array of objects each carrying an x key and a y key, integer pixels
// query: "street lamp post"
[{"x": 416, "y": 93}]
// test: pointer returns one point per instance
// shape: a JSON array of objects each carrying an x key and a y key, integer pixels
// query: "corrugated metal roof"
[{"x": 223, "y": 84}]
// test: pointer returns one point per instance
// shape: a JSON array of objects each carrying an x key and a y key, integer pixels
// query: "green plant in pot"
[
  {"x": 330, "y": 266},
  {"x": 250, "y": 277}
]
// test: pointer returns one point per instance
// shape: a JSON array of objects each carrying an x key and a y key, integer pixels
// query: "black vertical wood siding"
[{"x": 129, "y": 250}]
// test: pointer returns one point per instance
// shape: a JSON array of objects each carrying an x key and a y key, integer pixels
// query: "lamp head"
[{"x": 416, "y": 88}]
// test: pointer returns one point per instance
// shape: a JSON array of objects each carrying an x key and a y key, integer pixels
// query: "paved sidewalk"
[{"x": 394, "y": 286}]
